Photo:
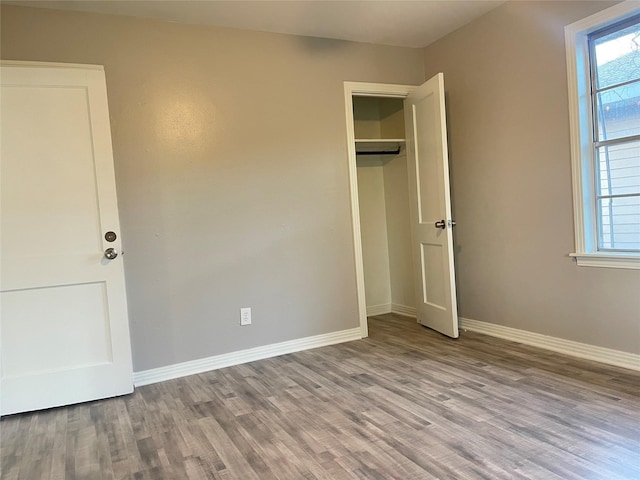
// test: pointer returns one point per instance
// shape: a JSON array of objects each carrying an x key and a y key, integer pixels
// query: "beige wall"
[
  {"x": 231, "y": 168},
  {"x": 373, "y": 230},
  {"x": 386, "y": 231},
  {"x": 396, "y": 194},
  {"x": 506, "y": 89}
]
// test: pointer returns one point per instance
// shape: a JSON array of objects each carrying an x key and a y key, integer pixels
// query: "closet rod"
[{"x": 380, "y": 152}]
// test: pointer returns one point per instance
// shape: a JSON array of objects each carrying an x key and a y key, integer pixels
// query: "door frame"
[{"x": 362, "y": 89}]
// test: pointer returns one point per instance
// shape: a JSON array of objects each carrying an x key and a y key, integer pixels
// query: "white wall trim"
[
  {"x": 378, "y": 309},
  {"x": 628, "y": 261},
  {"x": 560, "y": 345},
  {"x": 161, "y": 374},
  {"x": 352, "y": 89},
  {"x": 404, "y": 310},
  {"x": 391, "y": 308}
]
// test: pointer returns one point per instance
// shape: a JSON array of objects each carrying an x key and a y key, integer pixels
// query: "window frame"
[{"x": 582, "y": 138}]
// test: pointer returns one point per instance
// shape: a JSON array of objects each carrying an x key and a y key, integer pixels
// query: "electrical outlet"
[{"x": 245, "y": 316}]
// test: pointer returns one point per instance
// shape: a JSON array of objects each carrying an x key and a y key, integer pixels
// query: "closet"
[{"x": 383, "y": 198}]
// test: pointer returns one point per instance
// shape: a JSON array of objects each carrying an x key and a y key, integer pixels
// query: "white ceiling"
[{"x": 414, "y": 23}]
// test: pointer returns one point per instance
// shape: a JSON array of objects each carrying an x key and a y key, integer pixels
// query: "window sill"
[{"x": 608, "y": 260}]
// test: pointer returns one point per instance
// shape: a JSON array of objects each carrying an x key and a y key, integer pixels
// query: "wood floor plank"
[{"x": 405, "y": 403}]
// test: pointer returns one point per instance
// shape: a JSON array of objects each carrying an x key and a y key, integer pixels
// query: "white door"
[
  {"x": 64, "y": 331},
  {"x": 431, "y": 221}
]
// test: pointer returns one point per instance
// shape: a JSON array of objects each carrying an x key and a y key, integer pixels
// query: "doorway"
[
  {"x": 379, "y": 199},
  {"x": 378, "y": 139},
  {"x": 383, "y": 197}
]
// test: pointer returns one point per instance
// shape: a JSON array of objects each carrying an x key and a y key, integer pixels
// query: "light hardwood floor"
[{"x": 406, "y": 403}]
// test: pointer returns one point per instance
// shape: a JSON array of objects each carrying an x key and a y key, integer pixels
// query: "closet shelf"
[{"x": 379, "y": 146}]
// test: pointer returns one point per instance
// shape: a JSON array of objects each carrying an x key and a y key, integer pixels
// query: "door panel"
[
  {"x": 64, "y": 325},
  {"x": 429, "y": 193},
  {"x": 432, "y": 268},
  {"x": 57, "y": 187},
  {"x": 430, "y": 203},
  {"x": 85, "y": 340}
]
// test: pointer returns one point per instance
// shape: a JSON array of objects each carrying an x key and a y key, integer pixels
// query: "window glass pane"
[
  {"x": 619, "y": 226},
  {"x": 618, "y": 56},
  {"x": 619, "y": 169},
  {"x": 619, "y": 112}
]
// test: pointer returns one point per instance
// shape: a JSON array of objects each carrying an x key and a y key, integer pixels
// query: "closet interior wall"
[{"x": 384, "y": 207}]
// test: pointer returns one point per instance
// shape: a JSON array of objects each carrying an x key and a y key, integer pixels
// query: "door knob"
[
  {"x": 441, "y": 224},
  {"x": 451, "y": 223},
  {"x": 111, "y": 253}
]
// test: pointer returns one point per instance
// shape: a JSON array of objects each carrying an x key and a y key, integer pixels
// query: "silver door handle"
[
  {"x": 111, "y": 253},
  {"x": 441, "y": 224},
  {"x": 451, "y": 223}
]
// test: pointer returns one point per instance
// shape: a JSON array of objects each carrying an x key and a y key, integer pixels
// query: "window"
[
  {"x": 603, "y": 62},
  {"x": 614, "y": 62}
]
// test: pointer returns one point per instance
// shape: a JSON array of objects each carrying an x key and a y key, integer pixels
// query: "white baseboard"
[
  {"x": 391, "y": 308},
  {"x": 560, "y": 345},
  {"x": 169, "y": 372},
  {"x": 378, "y": 309},
  {"x": 403, "y": 310}
]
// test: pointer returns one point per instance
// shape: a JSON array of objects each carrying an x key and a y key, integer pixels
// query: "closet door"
[
  {"x": 63, "y": 323},
  {"x": 431, "y": 221}
]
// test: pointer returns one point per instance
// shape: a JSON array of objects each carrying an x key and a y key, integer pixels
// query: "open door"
[
  {"x": 431, "y": 222},
  {"x": 63, "y": 310}
]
